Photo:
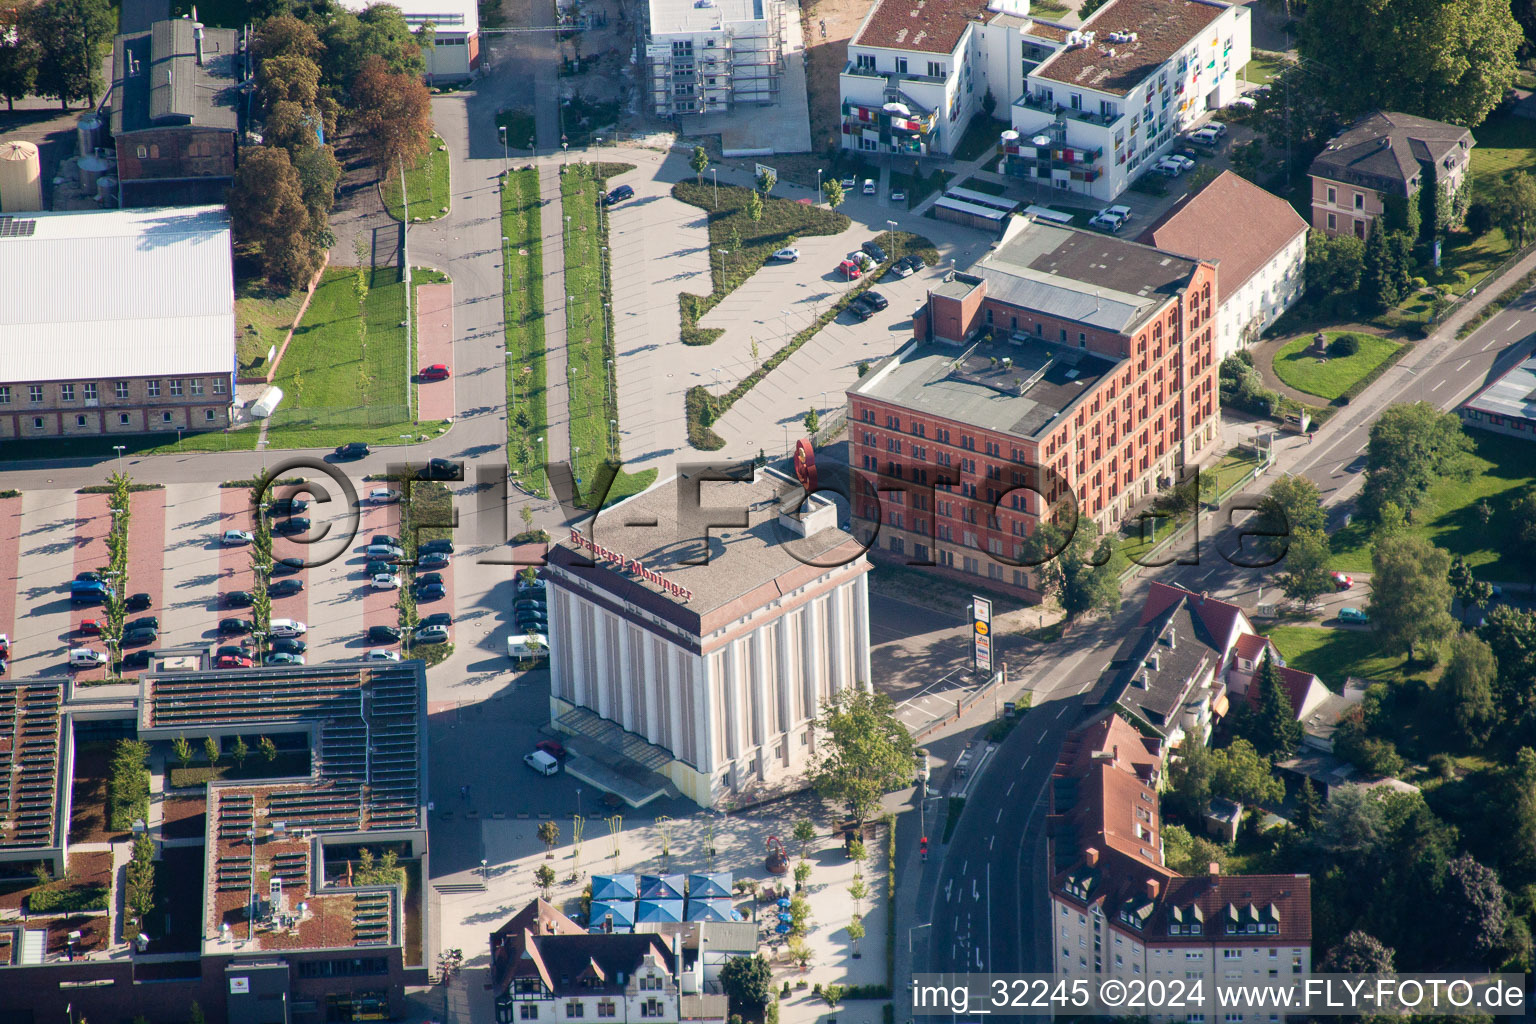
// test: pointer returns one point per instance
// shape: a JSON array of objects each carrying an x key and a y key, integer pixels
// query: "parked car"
[
  {"x": 383, "y": 654},
  {"x": 901, "y": 268},
  {"x": 288, "y": 627},
  {"x": 89, "y": 593},
  {"x": 133, "y": 659},
  {"x": 352, "y": 450},
  {"x": 287, "y": 566},
  {"x": 290, "y": 526},
  {"x": 869, "y": 186},
  {"x": 433, "y": 560},
  {"x": 383, "y": 635},
  {"x": 850, "y": 270},
  {"x": 146, "y": 622},
  {"x": 286, "y": 506},
  {"x": 1121, "y": 211},
  {"x": 1353, "y": 615},
  {"x": 618, "y": 195},
  {"x": 437, "y": 371},
  {"x": 533, "y": 622},
  {"x": 1105, "y": 221},
  {"x": 231, "y": 657},
  {"x": 386, "y": 581},
  {"x": 1217, "y": 127},
  {"x": 90, "y": 576},
  {"x": 441, "y": 469},
  {"x": 530, "y": 601},
  {"x": 875, "y": 301},
  {"x": 848, "y": 183},
  {"x": 383, "y": 496},
  {"x": 138, "y": 602},
  {"x": 290, "y": 645},
  {"x": 554, "y": 748},
  {"x": 789, "y": 255},
  {"x": 864, "y": 260},
  {"x": 283, "y": 658},
  {"x": 898, "y": 195},
  {"x": 376, "y": 567},
  {"x": 912, "y": 260},
  {"x": 235, "y": 538},
  {"x": 286, "y": 588},
  {"x": 139, "y": 637},
  {"x": 537, "y": 586},
  {"x": 1244, "y": 103},
  {"x": 238, "y": 599},
  {"x": 1341, "y": 581},
  {"x": 431, "y": 592},
  {"x": 428, "y": 578},
  {"x": 859, "y": 311},
  {"x": 235, "y": 627},
  {"x": 541, "y": 763},
  {"x": 874, "y": 250},
  {"x": 85, "y": 657},
  {"x": 1169, "y": 166},
  {"x": 383, "y": 553},
  {"x": 383, "y": 540},
  {"x": 438, "y": 619},
  {"x": 527, "y": 646},
  {"x": 440, "y": 546},
  {"x": 1183, "y": 161},
  {"x": 1207, "y": 137},
  {"x": 90, "y": 627},
  {"x": 431, "y": 635}
]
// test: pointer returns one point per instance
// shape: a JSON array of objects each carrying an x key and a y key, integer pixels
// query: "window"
[
  {"x": 66, "y": 392},
  {"x": 901, "y": 65},
  {"x": 651, "y": 1008},
  {"x": 1359, "y": 200},
  {"x": 79, "y": 421},
  {"x": 1333, "y": 222},
  {"x": 152, "y": 388},
  {"x": 208, "y": 415},
  {"x": 196, "y": 387},
  {"x": 219, "y": 385},
  {"x": 574, "y": 1009},
  {"x": 122, "y": 419},
  {"x": 141, "y": 152},
  {"x": 120, "y": 388},
  {"x": 866, "y": 62},
  {"x": 5, "y": 394},
  {"x": 90, "y": 392},
  {"x": 1333, "y": 195},
  {"x": 165, "y": 417},
  {"x": 527, "y": 1011},
  {"x": 936, "y": 69},
  {"x": 37, "y": 423},
  {"x": 605, "y": 1008},
  {"x": 34, "y": 393}
]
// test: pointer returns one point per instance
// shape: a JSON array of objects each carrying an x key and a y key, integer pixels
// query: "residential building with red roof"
[
  {"x": 1384, "y": 159},
  {"x": 1258, "y": 243},
  {"x": 1118, "y": 911}
]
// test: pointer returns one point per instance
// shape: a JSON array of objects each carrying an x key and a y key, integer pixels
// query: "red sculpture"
[
  {"x": 805, "y": 464},
  {"x": 778, "y": 860}
]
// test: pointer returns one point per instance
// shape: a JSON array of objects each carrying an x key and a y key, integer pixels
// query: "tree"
[
  {"x": 1513, "y": 205},
  {"x": 195, "y": 1014},
  {"x": 72, "y": 37},
  {"x": 1470, "y": 591},
  {"x": 862, "y": 751},
  {"x": 1307, "y": 576},
  {"x": 1467, "y": 686},
  {"x": 802, "y": 873},
  {"x": 812, "y": 422},
  {"x": 766, "y": 179},
  {"x": 393, "y": 111},
  {"x": 1352, "y": 822},
  {"x": 19, "y": 54},
  {"x": 799, "y": 916},
  {"x": 1450, "y": 60},
  {"x": 267, "y": 212},
  {"x": 1189, "y": 777},
  {"x": 211, "y": 750},
  {"x": 290, "y": 78},
  {"x": 286, "y": 36},
  {"x": 1292, "y": 504},
  {"x": 268, "y": 749},
  {"x": 1334, "y": 265},
  {"x": 1381, "y": 285},
  {"x": 545, "y": 877},
  {"x": 239, "y": 752},
  {"x": 1190, "y": 854},
  {"x": 1475, "y": 913},
  {"x": 1083, "y": 576},
  {"x": 748, "y": 983},
  {"x": 140, "y": 895},
  {"x": 805, "y": 834},
  {"x": 549, "y": 835},
  {"x": 1359, "y": 953},
  {"x": 1411, "y": 447},
  {"x": 856, "y": 932},
  {"x": 183, "y": 750},
  {"x": 1239, "y": 773},
  {"x": 1410, "y": 598},
  {"x": 754, "y": 207},
  {"x": 799, "y": 951},
  {"x": 1511, "y": 634},
  {"x": 833, "y": 190},
  {"x": 699, "y": 162},
  {"x": 1309, "y": 807},
  {"x": 858, "y": 891},
  {"x": 1275, "y": 731}
]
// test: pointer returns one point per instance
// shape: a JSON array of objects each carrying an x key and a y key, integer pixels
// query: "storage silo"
[
  {"x": 91, "y": 168},
  {"x": 89, "y": 134},
  {"x": 106, "y": 190},
  {"x": 21, "y": 177}
]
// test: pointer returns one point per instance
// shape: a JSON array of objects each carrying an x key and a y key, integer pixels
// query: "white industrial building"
[
  {"x": 1088, "y": 108},
  {"x": 707, "y": 56},
  {"x": 147, "y": 345},
  {"x": 455, "y": 51},
  {"x": 701, "y": 652}
]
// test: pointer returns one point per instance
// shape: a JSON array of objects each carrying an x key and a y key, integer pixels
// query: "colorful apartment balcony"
[
  {"x": 896, "y": 123},
  {"x": 1030, "y": 101}
]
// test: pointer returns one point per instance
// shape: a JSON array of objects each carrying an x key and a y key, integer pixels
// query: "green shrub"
[
  {"x": 1344, "y": 345},
  {"x": 865, "y": 992},
  {"x": 1419, "y": 282},
  {"x": 128, "y": 784},
  {"x": 70, "y": 900},
  {"x": 1441, "y": 766}
]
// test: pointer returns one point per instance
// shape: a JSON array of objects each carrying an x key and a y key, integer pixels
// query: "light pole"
[
  {"x": 485, "y": 871},
  {"x": 716, "y": 175},
  {"x": 578, "y": 801},
  {"x": 891, "y": 226},
  {"x": 119, "y": 448},
  {"x": 824, "y": 407},
  {"x": 910, "y": 931},
  {"x": 505, "y": 159},
  {"x": 786, "y": 322},
  {"x": 818, "y": 186},
  {"x": 722, "y": 253},
  {"x": 566, "y": 238}
]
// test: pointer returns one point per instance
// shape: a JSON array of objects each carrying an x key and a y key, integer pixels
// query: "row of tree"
[{"x": 54, "y": 48}]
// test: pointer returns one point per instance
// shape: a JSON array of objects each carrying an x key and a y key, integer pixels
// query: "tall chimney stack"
[
  {"x": 1151, "y": 888},
  {"x": 197, "y": 36},
  {"x": 1091, "y": 856}
]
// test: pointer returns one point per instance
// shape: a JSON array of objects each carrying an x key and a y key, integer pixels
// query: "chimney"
[
  {"x": 1214, "y": 870},
  {"x": 1116, "y": 757},
  {"x": 1173, "y": 637},
  {"x": 197, "y": 36},
  {"x": 1151, "y": 888},
  {"x": 1091, "y": 856}
]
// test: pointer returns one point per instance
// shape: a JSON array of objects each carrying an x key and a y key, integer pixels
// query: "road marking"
[
  {"x": 1010, "y": 789},
  {"x": 1491, "y": 342},
  {"x": 964, "y": 865},
  {"x": 1062, "y": 711},
  {"x": 1437, "y": 387},
  {"x": 1021, "y": 768},
  {"x": 1512, "y": 326},
  {"x": 1085, "y": 688},
  {"x": 999, "y": 815},
  {"x": 1463, "y": 365},
  {"x": 1362, "y": 448}
]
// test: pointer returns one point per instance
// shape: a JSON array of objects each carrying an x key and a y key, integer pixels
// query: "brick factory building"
[{"x": 1066, "y": 360}]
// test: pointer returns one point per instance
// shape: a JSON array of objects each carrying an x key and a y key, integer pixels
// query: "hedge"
[
  {"x": 859, "y": 991},
  {"x": 70, "y": 900},
  {"x": 868, "y": 991},
  {"x": 110, "y": 489}
]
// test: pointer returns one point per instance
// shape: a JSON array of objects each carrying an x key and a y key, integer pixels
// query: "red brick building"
[{"x": 1065, "y": 362}]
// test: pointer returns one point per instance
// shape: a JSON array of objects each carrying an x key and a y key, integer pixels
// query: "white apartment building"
[
  {"x": 712, "y": 648},
  {"x": 707, "y": 56},
  {"x": 1259, "y": 245},
  {"x": 1119, "y": 912},
  {"x": 1088, "y": 108}
]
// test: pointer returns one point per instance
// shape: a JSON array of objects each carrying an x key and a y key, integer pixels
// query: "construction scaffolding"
[{"x": 709, "y": 56}]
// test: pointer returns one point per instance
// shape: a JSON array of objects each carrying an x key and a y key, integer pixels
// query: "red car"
[
  {"x": 552, "y": 748},
  {"x": 437, "y": 371},
  {"x": 90, "y": 627},
  {"x": 849, "y": 270},
  {"x": 1341, "y": 581}
]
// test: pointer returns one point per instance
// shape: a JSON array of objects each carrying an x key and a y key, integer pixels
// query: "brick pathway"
[{"x": 434, "y": 344}]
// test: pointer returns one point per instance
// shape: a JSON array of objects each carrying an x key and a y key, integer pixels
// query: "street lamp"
[
  {"x": 818, "y": 186},
  {"x": 119, "y": 448},
  {"x": 786, "y": 322},
  {"x": 485, "y": 871},
  {"x": 502, "y": 129},
  {"x": 891, "y": 226},
  {"x": 578, "y": 801},
  {"x": 722, "y": 253},
  {"x": 716, "y": 175}
]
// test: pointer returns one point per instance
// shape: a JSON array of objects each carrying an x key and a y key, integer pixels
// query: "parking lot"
[{"x": 178, "y": 558}]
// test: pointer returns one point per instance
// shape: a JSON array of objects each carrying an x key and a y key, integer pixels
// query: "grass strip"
[
  {"x": 427, "y": 185},
  {"x": 523, "y": 305}
]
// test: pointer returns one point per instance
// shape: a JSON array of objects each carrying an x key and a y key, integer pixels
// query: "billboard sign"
[{"x": 981, "y": 634}]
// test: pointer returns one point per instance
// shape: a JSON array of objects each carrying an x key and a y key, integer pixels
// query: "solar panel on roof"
[{"x": 16, "y": 227}]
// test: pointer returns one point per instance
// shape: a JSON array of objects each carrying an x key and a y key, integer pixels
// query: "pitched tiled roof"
[
  {"x": 1219, "y": 617},
  {"x": 1384, "y": 151},
  {"x": 1161, "y": 27},
  {"x": 1231, "y": 222},
  {"x": 1162, "y": 663},
  {"x": 928, "y": 26},
  {"x": 508, "y": 941}
]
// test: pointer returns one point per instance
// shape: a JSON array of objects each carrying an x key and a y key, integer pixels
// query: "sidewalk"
[
  {"x": 557, "y": 393},
  {"x": 434, "y": 344}
]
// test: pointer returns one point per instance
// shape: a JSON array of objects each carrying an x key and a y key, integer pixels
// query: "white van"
[
  {"x": 527, "y": 646},
  {"x": 541, "y": 763},
  {"x": 288, "y": 628},
  {"x": 84, "y": 657}
]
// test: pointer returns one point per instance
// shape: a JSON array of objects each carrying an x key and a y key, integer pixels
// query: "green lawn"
[
  {"x": 1503, "y": 468},
  {"x": 1233, "y": 468},
  {"x": 519, "y": 125},
  {"x": 1504, "y": 143},
  {"x": 426, "y": 185},
  {"x": 1330, "y": 377},
  {"x": 523, "y": 299},
  {"x": 1263, "y": 68},
  {"x": 783, "y": 221},
  {"x": 340, "y": 385},
  {"x": 1333, "y": 654},
  {"x": 589, "y": 330},
  {"x": 262, "y": 317}
]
